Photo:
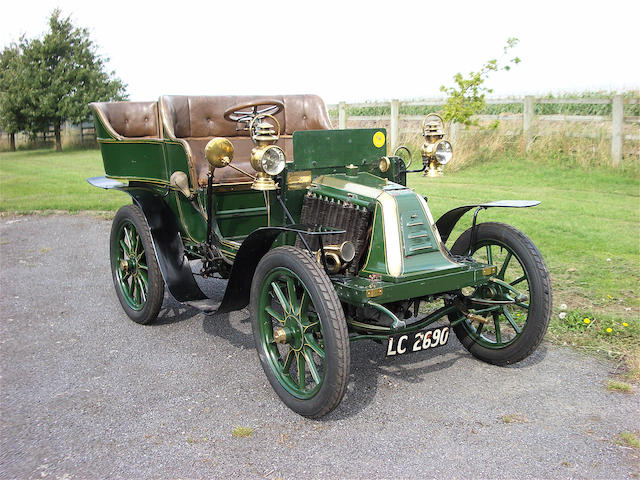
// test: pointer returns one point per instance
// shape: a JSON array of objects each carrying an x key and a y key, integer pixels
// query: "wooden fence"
[{"x": 528, "y": 117}]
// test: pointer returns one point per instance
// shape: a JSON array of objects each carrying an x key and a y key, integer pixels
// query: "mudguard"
[
  {"x": 447, "y": 221},
  {"x": 165, "y": 233}
]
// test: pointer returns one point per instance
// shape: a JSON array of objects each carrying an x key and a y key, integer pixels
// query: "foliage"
[
  {"x": 12, "y": 80},
  {"x": 497, "y": 108},
  {"x": 62, "y": 73},
  {"x": 468, "y": 96}
]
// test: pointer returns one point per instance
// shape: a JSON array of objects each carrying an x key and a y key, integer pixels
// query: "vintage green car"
[{"x": 316, "y": 231}]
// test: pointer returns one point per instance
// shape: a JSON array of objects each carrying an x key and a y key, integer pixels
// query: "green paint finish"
[
  {"x": 322, "y": 148},
  {"x": 353, "y": 290},
  {"x": 285, "y": 303},
  {"x": 130, "y": 261},
  {"x": 135, "y": 160},
  {"x": 376, "y": 262}
]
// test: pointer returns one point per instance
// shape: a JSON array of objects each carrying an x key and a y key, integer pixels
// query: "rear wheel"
[
  {"x": 300, "y": 331},
  {"x": 515, "y": 304},
  {"x": 134, "y": 268}
]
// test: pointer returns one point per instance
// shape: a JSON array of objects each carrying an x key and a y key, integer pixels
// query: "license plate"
[{"x": 417, "y": 341}]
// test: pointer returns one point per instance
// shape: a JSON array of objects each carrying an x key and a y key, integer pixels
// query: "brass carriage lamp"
[
  {"x": 266, "y": 158},
  {"x": 435, "y": 151}
]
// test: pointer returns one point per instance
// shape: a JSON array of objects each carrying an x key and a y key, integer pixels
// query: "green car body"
[{"x": 400, "y": 261}]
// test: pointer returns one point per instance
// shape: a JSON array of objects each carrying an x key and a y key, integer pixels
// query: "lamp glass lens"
[
  {"x": 444, "y": 152},
  {"x": 273, "y": 161}
]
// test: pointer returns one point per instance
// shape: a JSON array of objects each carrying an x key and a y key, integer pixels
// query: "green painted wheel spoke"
[
  {"x": 311, "y": 326},
  {"x": 274, "y": 314},
  {"x": 134, "y": 291},
  {"x": 301, "y": 374},
  {"x": 288, "y": 361},
  {"x": 304, "y": 302},
  {"x": 510, "y": 319},
  {"x": 311, "y": 342},
  {"x": 143, "y": 290},
  {"x": 503, "y": 269},
  {"x": 523, "y": 305},
  {"x": 307, "y": 352},
  {"x": 489, "y": 255},
  {"x": 142, "y": 266},
  {"x": 125, "y": 249},
  {"x": 278, "y": 291},
  {"x": 293, "y": 298},
  {"x": 479, "y": 329},
  {"x": 145, "y": 280},
  {"x": 518, "y": 280},
  {"x": 496, "y": 322}
]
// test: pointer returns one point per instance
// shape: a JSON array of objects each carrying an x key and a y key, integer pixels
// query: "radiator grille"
[{"x": 318, "y": 210}]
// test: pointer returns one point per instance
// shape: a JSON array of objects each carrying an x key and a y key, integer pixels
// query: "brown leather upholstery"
[
  {"x": 130, "y": 119},
  {"x": 197, "y": 119}
]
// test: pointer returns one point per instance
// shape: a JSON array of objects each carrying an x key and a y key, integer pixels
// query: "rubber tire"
[
  {"x": 540, "y": 292},
  {"x": 155, "y": 292},
  {"x": 333, "y": 323}
]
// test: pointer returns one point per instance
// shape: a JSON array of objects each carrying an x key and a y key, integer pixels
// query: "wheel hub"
[{"x": 290, "y": 334}]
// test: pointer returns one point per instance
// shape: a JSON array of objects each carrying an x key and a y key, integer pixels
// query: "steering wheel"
[{"x": 245, "y": 112}]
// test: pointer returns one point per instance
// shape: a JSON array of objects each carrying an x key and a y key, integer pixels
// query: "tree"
[
  {"x": 468, "y": 96},
  {"x": 64, "y": 74},
  {"x": 12, "y": 88}
]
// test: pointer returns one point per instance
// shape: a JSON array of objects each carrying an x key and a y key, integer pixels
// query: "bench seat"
[{"x": 197, "y": 119}]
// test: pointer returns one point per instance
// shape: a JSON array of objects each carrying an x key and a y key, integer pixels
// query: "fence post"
[
  {"x": 394, "y": 127},
  {"x": 527, "y": 120},
  {"x": 617, "y": 120},
  {"x": 342, "y": 116}
]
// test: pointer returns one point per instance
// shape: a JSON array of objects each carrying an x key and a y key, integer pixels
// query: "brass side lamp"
[{"x": 436, "y": 151}]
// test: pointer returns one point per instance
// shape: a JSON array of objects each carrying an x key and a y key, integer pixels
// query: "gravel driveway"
[{"x": 86, "y": 393}]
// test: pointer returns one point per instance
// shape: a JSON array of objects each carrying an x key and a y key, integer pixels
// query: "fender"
[
  {"x": 449, "y": 220},
  {"x": 251, "y": 251},
  {"x": 165, "y": 234}
]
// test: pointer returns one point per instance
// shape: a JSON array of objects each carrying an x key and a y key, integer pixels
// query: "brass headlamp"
[
  {"x": 436, "y": 151},
  {"x": 266, "y": 158}
]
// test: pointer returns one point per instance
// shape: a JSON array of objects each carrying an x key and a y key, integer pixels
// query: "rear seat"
[
  {"x": 129, "y": 119},
  {"x": 198, "y": 119}
]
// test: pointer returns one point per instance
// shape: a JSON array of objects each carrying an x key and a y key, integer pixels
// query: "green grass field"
[
  {"x": 45, "y": 180},
  {"x": 587, "y": 227}
]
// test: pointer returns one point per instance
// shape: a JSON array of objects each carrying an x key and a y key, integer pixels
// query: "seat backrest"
[
  {"x": 130, "y": 119},
  {"x": 202, "y": 116},
  {"x": 197, "y": 119}
]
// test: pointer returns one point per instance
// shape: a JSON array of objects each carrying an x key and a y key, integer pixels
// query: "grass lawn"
[
  {"x": 46, "y": 180},
  {"x": 587, "y": 227}
]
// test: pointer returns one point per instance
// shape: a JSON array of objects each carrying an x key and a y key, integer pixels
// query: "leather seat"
[
  {"x": 129, "y": 119},
  {"x": 197, "y": 119}
]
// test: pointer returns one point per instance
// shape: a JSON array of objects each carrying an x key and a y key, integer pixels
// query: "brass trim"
[
  {"x": 374, "y": 292},
  {"x": 384, "y": 164},
  {"x": 487, "y": 271},
  {"x": 155, "y": 181},
  {"x": 298, "y": 180}
]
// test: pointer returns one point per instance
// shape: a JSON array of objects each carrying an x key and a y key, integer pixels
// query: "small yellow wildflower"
[
  {"x": 625, "y": 324},
  {"x": 609, "y": 330},
  {"x": 609, "y": 297},
  {"x": 587, "y": 321}
]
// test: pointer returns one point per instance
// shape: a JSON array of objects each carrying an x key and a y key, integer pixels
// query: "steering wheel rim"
[{"x": 236, "y": 113}]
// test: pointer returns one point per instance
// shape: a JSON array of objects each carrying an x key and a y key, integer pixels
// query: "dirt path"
[{"x": 86, "y": 393}]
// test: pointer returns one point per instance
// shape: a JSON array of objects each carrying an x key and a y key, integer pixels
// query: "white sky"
[{"x": 349, "y": 50}]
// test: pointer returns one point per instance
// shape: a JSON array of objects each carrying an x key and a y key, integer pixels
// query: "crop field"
[{"x": 587, "y": 227}]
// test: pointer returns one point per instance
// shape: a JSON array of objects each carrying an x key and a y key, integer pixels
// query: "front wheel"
[
  {"x": 515, "y": 304},
  {"x": 134, "y": 268},
  {"x": 300, "y": 331}
]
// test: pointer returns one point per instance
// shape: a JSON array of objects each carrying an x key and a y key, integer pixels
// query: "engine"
[{"x": 356, "y": 220}]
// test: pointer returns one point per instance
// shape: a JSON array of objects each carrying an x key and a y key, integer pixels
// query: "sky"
[{"x": 350, "y": 51}]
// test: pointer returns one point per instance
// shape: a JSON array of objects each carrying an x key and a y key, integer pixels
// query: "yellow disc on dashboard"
[{"x": 378, "y": 139}]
